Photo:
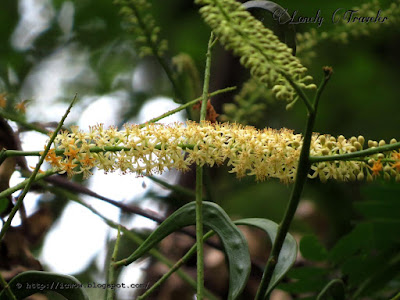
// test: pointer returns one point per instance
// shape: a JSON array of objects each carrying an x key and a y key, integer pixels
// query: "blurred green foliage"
[{"x": 361, "y": 98}]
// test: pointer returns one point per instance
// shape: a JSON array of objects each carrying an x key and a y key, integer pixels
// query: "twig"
[
  {"x": 301, "y": 176},
  {"x": 21, "y": 121},
  {"x": 199, "y": 180},
  {"x": 111, "y": 270},
  {"x": 182, "y": 107},
  {"x": 176, "y": 267},
  {"x": 299, "y": 92},
  {"x": 133, "y": 237},
  {"x": 22, "y": 185},
  {"x": 6, "y": 287},
  {"x": 356, "y": 154}
]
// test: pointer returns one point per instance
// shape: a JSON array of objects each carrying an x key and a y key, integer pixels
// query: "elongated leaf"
[
  {"x": 283, "y": 29},
  {"x": 288, "y": 254},
  {"x": 333, "y": 290},
  {"x": 31, "y": 282},
  {"x": 214, "y": 216}
]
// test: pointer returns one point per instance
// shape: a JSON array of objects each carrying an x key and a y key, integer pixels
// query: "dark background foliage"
[{"x": 356, "y": 224}]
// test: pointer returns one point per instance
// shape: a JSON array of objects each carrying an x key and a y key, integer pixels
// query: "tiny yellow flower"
[
  {"x": 69, "y": 167},
  {"x": 21, "y": 106}
]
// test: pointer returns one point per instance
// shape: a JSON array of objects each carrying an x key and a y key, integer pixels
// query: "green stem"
[
  {"x": 5, "y": 285},
  {"x": 21, "y": 121},
  {"x": 111, "y": 270},
  {"x": 299, "y": 92},
  {"x": 283, "y": 228},
  {"x": 397, "y": 297},
  {"x": 199, "y": 180},
  {"x": 199, "y": 232},
  {"x": 328, "y": 71},
  {"x": 313, "y": 159},
  {"x": 334, "y": 284},
  {"x": 34, "y": 173},
  {"x": 132, "y": 236},
  {"x": 357, "y": 154},
  {"x": 301, "y": 176},
  {"x": 157, "y": 255},
  {"x": 207, "y": 73},
  {"x": 190, "y": 103},
  {"x": 21, "y": 185},
  {"x": 177, "y": 265}
]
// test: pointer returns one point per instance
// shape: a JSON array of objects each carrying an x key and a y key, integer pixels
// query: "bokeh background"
[{"x": 51, "y": 50}]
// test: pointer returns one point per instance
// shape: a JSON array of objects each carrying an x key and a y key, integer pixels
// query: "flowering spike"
[
  {"x": 266, "y": 153},
  {"x": 260, "y": 50}
]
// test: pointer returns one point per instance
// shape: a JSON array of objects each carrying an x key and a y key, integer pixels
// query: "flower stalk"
[
  {"x": 111, "y": 270},
  {"x": 175, "y": 268},
  {"x": 301, "y": 176},
  {"x": 6, "y": 287},
  {"x": 199, "y": 180},
  {"x": 186, "y": 105}
]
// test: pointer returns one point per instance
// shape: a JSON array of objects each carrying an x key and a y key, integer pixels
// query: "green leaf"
[
  {"x": 288, "y": 254},
  {"x": 31, "y": 282},
  {"x": 333, "y": 290},
  {"x": 214, "y": 216},
  {"x": 312, "y": 249},
  {"x": 281, "y": 20}
]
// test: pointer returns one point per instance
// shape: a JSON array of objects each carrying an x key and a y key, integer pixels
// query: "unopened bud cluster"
[
  {"x": 260, "y": 50},
  {"x": 142, "y": 24},
  {"x": 266, "y": 153},
  {"x": 386, "y": 164}
]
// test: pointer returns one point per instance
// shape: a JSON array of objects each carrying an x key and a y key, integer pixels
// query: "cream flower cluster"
[{"x": 264, "y": 153}]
